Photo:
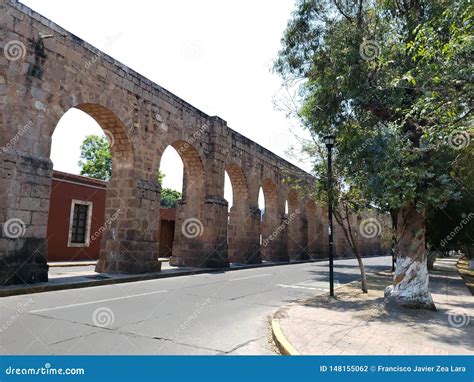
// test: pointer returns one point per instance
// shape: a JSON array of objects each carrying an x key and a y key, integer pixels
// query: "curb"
[
  {"x": 283, "y": 345},
  {"x": 31, "y": 289},
  {"x": 71, "y": 264}
]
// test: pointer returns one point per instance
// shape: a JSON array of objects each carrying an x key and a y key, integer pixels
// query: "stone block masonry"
[{"x": 45, "y": 71}]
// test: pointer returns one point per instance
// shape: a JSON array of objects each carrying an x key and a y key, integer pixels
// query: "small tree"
[
  {"x": 96, "y": 159},
  {"x": 348, "y": 202}
]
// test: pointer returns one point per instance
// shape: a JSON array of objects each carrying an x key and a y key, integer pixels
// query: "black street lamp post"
[{"x": 329, "y": 141}]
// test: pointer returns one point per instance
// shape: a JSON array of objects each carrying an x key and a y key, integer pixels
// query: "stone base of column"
[
  {"x": 197, "y": 259},
  {"x": 202, "y": 242},
  {"x": 129, "y": 257},
  {"x": 299, "y": 256},
  {"x": 275, "y": 252},
  {"x": 196, "y": 253},
  {"x": 23, "y": 261},
  {"x": 26, "y": 182},
  {"x": 246, "y": 253}
]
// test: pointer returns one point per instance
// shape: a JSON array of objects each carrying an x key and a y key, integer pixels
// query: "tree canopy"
[{"x": 393, "y": 81}]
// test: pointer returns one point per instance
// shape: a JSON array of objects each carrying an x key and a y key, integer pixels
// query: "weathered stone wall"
[{"x": 45, "y": 71}]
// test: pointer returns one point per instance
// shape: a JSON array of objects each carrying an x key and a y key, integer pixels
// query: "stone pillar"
[
  {"x": 319, "y": 233},
  {"x": 304, "y": 254},
  {"x": 201, "y": 218},
  {"x": 244, "y": 219},
  {"x": 254, "y": 255},
  {"x": 132, "y": 214},
  {"x": 313, "y": 227},
  {"x": 25, "y": 182},
  {"x": 296, "y": 227},
  {"x": 243, "y": 234},
  {"x": 274, "y": 230}
]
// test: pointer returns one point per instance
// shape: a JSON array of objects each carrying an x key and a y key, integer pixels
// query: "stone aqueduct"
[{"x": 57, "y": 71}]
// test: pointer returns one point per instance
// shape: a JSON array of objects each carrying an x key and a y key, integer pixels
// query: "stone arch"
[
  {"x": 271, "y": 196},
  {"x": 190, "y": 226},
  {"x": 244, "y": 220},
  {"x": 128, "y": 243},
  {"x": 273, "y": 246},
  {"x": 143, "y": 119},
  {"x": 239, "y": 183},
  {"x": 120, "y": 144},
  {"x": 193, "y": 174},
  {"x": 317, "y": 230},
  {"x": 297, "y": 228}
]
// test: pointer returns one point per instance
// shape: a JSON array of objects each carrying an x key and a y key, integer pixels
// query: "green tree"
[
  {"x": 169, "y": 197},
  {"x": 452, "y": 227},
  {"x": 96, "y": 159},
  {"x": 96, "y": 162},
  {"x": 393, "y": 81}
]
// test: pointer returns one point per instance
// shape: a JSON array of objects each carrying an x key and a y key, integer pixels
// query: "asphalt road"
[{"x": 211, "y": 313}]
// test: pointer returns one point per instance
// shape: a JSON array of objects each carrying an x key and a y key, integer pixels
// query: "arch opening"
[
  {"x": 189, "y": 226},
  {"x": 91, "y": 153},
  {"x": 239, "y": 235}
]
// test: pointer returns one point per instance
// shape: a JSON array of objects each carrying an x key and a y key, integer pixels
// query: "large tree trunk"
[{"x": 410, "y": 281}]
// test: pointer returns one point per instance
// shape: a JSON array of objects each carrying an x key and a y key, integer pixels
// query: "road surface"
[{"x": 212, "y": 313}]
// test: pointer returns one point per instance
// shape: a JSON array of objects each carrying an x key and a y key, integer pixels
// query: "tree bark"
[
  {"x": 410, "y": 281},
  {"x": 362, "y": 274}
]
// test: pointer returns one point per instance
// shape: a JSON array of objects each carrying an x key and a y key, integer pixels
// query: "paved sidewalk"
[{"x": 356, "y": 323}]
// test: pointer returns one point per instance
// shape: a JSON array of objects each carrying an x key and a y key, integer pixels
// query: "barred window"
[{"x": 79, "y": 225}]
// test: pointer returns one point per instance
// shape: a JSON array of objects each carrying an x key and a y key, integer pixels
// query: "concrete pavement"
[
  {"x": 361, "y": 324},
  {"x": 212, "y": 313}
]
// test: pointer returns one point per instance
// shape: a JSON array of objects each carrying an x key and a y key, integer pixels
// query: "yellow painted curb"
[{"x": 285, "y": 347}]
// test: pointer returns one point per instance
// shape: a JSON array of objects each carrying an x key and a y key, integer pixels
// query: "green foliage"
[
  {"x": 395, "y": 112},
  {"x": 169, "y": 197},
  {"x": 96, "y": 159},
  {"x": 452, "y": 227}
]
